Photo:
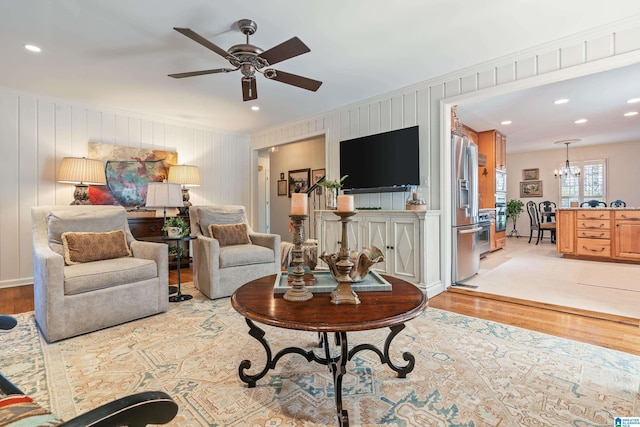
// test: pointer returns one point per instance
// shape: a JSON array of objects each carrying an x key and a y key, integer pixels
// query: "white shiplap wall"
[
  {"x": 36, "y": 132},
  {"x": 427, "y": 104}
]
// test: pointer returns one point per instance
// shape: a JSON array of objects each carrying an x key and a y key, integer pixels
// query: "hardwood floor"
[{"x": 600, "y": 332}]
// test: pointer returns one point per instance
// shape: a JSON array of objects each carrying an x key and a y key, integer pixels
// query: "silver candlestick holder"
[
  {"x": 343, "y": 293},
  {"x": 298, "y": 291}
]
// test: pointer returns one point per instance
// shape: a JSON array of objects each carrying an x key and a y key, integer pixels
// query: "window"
[{"x": 591, "y": 184}]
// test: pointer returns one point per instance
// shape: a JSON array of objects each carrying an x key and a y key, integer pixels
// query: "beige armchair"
[
  {"x": 223, "y": 264},
  {"x": 91, "y": 282}
]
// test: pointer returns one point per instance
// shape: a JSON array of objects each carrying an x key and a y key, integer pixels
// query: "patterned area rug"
[{"x": 469, "y": 372}]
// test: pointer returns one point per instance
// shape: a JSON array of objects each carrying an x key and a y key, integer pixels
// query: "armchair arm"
[
  {"x": 136, "y": 410},
  {"x": 271, "y": 241}
]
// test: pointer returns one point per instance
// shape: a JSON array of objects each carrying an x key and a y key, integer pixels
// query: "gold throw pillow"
[
  {"x": 82, "y": 247},
  {"x": 230, "y": 234}
]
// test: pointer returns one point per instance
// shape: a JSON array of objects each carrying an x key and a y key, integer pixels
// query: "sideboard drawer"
[
  {"x": 594, "y": 234},
  {"x": 593, "y": 224},
  {"x": 593, "y": 214},
  {"x": 625, "y": 215},
  {"x": 146, "y": 227},
  {"x": 594, "y": 247}
]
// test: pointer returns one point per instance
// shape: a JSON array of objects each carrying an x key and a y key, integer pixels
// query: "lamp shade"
[
  {"x": 80, "y": 170},
  {"x": 163, "y": 195},
  {"x": 186, "y": 175}
]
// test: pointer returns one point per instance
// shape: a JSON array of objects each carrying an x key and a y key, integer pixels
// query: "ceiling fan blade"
[
  {"x": 204, "y": 42},
  {"x": 285, "y": 50},
  {"x": 295, "y": 80},
  {"x": 200, "y": 73},
  {"x": 249, "y": 90}
]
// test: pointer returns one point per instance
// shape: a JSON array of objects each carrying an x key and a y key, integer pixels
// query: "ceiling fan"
[{"x": 249, "y": 58}]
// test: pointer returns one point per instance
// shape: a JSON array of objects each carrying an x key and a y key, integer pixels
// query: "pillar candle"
[
  {"x": 299, "y": 204},
  {"x": 346, "y": 204}
]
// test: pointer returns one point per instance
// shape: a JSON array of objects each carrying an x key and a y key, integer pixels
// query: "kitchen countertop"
[{"x": 599, "y": 208}]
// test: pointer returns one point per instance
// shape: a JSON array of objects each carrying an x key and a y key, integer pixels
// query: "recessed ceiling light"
[
  {"x": 580, "y": 121},
  {"x": 561, "y": 101},
  {"x": 633, "y": 100},
  {"x": 255, "y": 108},
  {"x": 32, "y": 48},
  {"x": 506, "y": 122},
  {"x": 631, "y": 113}
]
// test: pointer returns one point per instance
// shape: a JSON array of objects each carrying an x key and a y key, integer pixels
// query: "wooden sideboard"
[
  {"x": 599, "y": 234},
  {"x": 143, "y": 227}
]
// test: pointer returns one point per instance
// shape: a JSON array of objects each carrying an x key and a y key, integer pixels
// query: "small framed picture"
[
  {"x": 316, "y": 175},
  {"x": 299, "y": 180},
  {"x": 282, "y": 187},
  {"x": 530, "y": 174},
  {"x": 281, "y": 175},
  {"x": 531, "y": 189}
]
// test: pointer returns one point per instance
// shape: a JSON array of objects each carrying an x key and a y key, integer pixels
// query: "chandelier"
[{"x": 567, "y": 170}]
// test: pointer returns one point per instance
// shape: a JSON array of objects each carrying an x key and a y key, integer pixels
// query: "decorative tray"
[{"x": 323, "y": 281}]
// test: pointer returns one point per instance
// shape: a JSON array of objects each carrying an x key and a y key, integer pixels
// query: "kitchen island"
[{"x": 605, "y": 234}]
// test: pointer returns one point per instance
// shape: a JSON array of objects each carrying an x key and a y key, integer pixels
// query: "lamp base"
[
  {"x": 184, "y": 210},
  {"x": 81, "y": 195}
]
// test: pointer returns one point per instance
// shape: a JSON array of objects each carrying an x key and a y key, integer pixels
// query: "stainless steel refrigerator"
[{"x": 465, "y": 226}]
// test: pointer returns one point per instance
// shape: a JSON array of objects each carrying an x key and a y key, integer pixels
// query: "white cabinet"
[
  {"x": 331, "y": 230},
  {"x": 410, "y": 241},
  {"x": 398, "y": 238}
]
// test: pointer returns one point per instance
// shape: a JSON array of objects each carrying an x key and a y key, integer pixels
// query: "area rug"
[{"x": 469, "y": 372}]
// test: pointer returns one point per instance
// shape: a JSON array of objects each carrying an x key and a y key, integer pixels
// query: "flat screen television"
[{"x": 384, "y": 162}]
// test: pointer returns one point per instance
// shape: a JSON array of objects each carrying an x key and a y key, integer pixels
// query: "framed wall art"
[
  {"x": 531, "y": 189},
  {"x": 316, "y": 175},
  {"x": 299, "y": 180},
  {"x": 282, "y": 187},
  {"x": 530, "y": 174}
]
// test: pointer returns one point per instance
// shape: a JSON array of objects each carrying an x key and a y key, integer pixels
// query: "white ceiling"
[
  {"x": 537, "y": 123},
  {"x": 117, "y": 53}
]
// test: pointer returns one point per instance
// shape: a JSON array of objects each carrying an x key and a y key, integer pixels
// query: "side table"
[{"x": 179, "y": 296}]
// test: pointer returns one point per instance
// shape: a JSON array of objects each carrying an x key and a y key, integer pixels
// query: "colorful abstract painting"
[{"x": 128, "y": 170}]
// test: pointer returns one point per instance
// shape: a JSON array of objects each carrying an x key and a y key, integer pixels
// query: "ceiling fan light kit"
[{"x": 250, "y": 59}]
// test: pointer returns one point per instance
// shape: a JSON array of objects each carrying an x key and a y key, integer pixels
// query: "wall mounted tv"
[{"x": 380, "y": 163}]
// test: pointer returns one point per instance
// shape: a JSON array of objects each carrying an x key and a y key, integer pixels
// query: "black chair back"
[
  {"x": 534, "y": 219},
  {"x": 546, "y": 208},
  {"x": 593, "y": 204},
  {"x": 618, "y": 204}
]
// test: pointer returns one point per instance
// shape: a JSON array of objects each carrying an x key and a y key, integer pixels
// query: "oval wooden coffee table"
[{"x": 381, "y": 309}]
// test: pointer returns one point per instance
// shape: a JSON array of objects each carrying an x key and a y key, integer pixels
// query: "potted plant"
[
  {"x": 174, "y": 250},
  {"x": 331, "y": 193},
  {"x": 175, "y": 227},
  {"x": 514, "y": 209}
]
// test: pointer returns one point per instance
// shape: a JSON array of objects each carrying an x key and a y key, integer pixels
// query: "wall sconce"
[
  {"x": 187, "y": 176},
  {"x": 82, "y": 172}
]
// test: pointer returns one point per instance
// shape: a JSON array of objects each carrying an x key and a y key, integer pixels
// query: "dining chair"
[
  {"x": 536, "y": 225},
  {"x": 618, "y": 204},
  {"x": 593, "y": 204},
  {"x": 547, "y": 211}
]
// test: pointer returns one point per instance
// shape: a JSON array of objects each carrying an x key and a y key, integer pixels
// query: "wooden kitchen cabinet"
[
  {"x": 627, "y": 235},
  {"x": 493, "y": 145},
  {"x": 566, "y": 231},
  {"x": 605, "y": 234}
]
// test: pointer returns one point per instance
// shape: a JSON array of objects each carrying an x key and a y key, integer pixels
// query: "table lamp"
[
  {"x": 187, "y": 176},
  {"x": 82, "y": 172},
  {"x": 163, "y": 195}
]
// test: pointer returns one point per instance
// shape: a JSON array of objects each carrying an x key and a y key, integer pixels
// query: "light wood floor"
[{"x": 600, "y": 332}]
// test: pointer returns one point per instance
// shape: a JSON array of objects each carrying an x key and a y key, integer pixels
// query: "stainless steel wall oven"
[
  {"x": 484, "y": 235},
  {"x": 501, "y": 212}
]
